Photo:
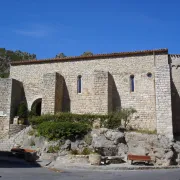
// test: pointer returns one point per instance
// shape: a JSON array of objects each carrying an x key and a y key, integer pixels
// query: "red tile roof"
[{"x": 96, "y": 56}]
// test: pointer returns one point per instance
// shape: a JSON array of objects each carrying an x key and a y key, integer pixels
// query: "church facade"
[{"x": 148, "y": 81}]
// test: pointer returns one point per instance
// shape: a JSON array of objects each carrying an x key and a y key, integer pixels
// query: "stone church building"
[{"x": 148, "y": 81}]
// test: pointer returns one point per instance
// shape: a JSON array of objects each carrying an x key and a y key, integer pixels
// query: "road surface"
[{"x": 22, "y": 171}]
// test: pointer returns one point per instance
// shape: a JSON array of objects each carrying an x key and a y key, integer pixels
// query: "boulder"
[
  {"x": 66, "y": 146},
  {"x": 39, "y": 141},
  {"x": 115, "y": 136},
  {"x": 105, "y": 147},
  {"x": 78, "y": 145},
  {"x": 169, "y": 155},
  {"x": 122, "y": 151}
]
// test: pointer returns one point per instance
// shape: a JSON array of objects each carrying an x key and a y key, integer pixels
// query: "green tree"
[
  {"x": 7, "y": 56},
  {"x": 87, "y": 53},
  {"x": 60, "y": 55},
  {"x": 4, "y": 66}
]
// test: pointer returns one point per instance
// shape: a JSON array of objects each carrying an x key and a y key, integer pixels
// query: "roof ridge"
[{"x": 95, "y": 56}]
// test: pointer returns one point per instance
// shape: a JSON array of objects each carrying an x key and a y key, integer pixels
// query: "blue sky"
[{"x": 47, "y": 27}]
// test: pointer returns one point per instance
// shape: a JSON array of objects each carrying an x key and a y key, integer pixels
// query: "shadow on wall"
[
  {"x": 66, "y": 99},
  {"x": 175, "y": 109},
  {"x": 116, "y": 101},
  {"x": 18, "y": 96}
]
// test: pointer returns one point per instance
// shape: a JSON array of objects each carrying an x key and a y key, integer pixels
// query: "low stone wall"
[{"x": 15, "y": 128}]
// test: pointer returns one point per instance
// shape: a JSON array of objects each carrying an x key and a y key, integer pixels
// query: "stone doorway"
[{"x": 36, "y": 107}]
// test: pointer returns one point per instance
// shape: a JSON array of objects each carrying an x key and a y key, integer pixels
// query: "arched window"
[
  {"x": 132, "y": 83},
  {"x": 79, "y": 84}
]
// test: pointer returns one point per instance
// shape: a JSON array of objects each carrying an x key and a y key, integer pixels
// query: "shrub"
[
  {"x": 126, "y": 115},
  {"x": 32, "y": 132},
  {"x": 4, "y": 75},
  {"x": 62, "y": 130},
  {"x": 111, "y": 121},
  {"x": 32, "y": 112},
  {"x": 32, "y": 143},
  {"x": 86, "y": 151},
  {"x": 53, "y": 149},
  {"x": 62, "y": 117},
  {"x": 22, "y": 111},
  {"x": 115, "y": 119},
  {"x": 74, "y": 152}
]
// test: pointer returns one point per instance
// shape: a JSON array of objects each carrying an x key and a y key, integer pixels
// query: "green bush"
[
  {"x": 22, "y": 111},
  {"x": 32, "y": 143},
  {"x": 69, "y": 117},
  {"x": 126, "y": 115},
  {"x": 62, "y": 130},
  {"x": 116, "y": 119},
  {"x": 53, "y": 149},
  {"x": 32, "y": 112},
  {"x": 4, "y": 75},
  {"x": 75, "y": 152},
  {"x": 32, "y": 132},
  {"x": 112, "y": 121},
  {"x": 86, "y": 151}
]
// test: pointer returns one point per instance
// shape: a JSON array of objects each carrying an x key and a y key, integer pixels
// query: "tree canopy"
[
  {"x": 60, "y": 55},
  {"x": 7, "y": 56},
  {"x": 87, "y": 53}
]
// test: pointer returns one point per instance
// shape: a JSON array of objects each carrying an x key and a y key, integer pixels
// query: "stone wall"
[
  {"x": 11, "y": 94},
  {"x": 101, "y": 92},
  {"x": 52, "y": 93},
  {"x": 5, "y": 101},
  {"x": 15, "y": 128},
  {"x": 175, "y": 86},
  {"x": 163, "y": 96},
  {"x": 120, "y": 69}
]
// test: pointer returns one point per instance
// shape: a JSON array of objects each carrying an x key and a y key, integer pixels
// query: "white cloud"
[{"x": 36, "y": 30}]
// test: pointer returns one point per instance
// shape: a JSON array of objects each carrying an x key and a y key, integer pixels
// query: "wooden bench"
[
  {"x": 139, "y": 158},
  {"x": 21, "y": 151},
  {"x": 27, "y": 154}
]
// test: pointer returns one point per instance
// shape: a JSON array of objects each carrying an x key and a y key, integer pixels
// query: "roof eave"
[{"x": 97, "y": 56}]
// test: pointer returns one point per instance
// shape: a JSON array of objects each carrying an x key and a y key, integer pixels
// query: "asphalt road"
[{"x": 21, "y": 171}]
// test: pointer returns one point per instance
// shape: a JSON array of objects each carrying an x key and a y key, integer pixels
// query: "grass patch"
[
  {"x": 32, "y": 143},
  {"x": 75, "y": 152},
  {"x": 32, "y": 132},
  {"x": 53, "y": 149},
  {"x": 144, "y": 131}
]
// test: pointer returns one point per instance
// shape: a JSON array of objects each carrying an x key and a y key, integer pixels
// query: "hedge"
[
  {"x": 62, "y": 130},
  {"x": 67, "y": 117},
  {"x": 67, "y": 125}
]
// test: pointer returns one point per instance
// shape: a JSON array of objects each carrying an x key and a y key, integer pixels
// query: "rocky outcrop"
[
  {"x": 162, "y": 150},
  {"x": 106, "y": 141}
]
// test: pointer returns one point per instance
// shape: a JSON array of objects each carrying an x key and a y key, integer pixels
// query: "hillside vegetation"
[{"x": 7, "y": 56}]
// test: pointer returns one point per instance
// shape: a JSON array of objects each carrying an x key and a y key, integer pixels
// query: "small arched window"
[
  {"x": 132, "y": 83},
  {"x": 79, "y": 84}
]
